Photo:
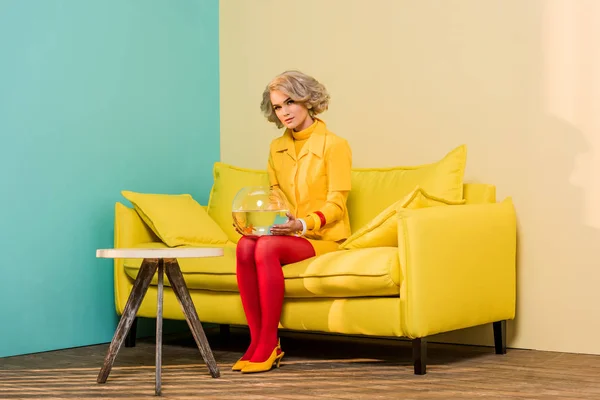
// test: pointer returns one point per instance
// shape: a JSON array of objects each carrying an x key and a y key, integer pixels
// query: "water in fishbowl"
[
  {"x": 258, "y": 222},
  {"x": 256, "y": 209}
]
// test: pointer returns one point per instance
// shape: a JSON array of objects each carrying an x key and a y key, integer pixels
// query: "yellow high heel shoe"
[
  {"x": 274, "y": 359},
  {"x": 239, "y": 364}
]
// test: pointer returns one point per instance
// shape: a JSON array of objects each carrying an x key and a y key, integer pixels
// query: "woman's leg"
[
  {"x": 271, "y": 253},
  {"x": 247, "y": 281}
]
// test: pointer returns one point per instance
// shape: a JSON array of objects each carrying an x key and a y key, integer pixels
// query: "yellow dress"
[{"x": 312, "y": 168}]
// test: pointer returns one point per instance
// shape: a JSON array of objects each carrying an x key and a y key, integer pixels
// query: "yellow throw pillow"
[
  {"x": 382, "y": 231},
  {"x": 177, "y": 219},
  {"x": 374, "y": 189},
  {"x": 228, "y": 180}
]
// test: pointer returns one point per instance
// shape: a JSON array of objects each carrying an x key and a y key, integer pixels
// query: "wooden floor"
[{"x": 315, "y": 366}]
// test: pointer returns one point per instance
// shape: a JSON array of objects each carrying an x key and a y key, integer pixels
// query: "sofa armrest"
[
  {"x": 130, "y": 229},
  {"x": 459, "y": 267}
]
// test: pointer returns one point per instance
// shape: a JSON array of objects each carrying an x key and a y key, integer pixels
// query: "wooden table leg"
[
  {"x": 140, "y": 287},
  {"x": 159, "y": 327},
  {"x": 185, "y": 300}
]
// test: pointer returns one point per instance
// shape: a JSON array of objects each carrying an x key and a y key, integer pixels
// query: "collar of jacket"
[{"x": 315, "y": 143}]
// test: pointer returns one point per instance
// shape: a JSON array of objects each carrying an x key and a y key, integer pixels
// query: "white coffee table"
[{"x": 165, "y": 261}]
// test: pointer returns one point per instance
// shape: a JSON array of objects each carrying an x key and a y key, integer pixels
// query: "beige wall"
[{"x": 517, "y": 81}]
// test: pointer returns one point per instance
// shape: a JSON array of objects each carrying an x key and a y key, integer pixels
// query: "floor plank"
[{"x": 315, "y": 366}]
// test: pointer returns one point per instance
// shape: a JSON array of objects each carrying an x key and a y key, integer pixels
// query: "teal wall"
[{"x": 96, "y": 96}]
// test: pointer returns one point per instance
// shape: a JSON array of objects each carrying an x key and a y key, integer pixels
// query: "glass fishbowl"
[{"x": 256, "y": 209}]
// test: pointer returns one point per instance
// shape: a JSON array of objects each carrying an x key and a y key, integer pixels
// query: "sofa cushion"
[
  {"x": 348, "y": 273},
  {"x": 177, "y": 219},
  {"x": 374, "y": 189},
  {"x": 382, "y": 230},
  {"x": 228, "y": 181}
]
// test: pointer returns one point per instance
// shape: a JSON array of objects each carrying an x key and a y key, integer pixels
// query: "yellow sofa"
[{"x": 429, "y": 254}]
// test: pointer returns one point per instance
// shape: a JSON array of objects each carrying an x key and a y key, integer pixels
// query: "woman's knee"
[
  {"x": 245, "y": 249},
  {"x": 265, "y": 246}
]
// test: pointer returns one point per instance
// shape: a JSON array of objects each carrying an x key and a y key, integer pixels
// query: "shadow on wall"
[{"x": 556, "y": 185}]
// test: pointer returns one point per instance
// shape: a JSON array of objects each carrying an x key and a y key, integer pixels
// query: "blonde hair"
[{"x": 301, "y": 88}]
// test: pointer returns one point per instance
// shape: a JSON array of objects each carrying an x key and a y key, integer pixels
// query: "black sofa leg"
[
  {"x": 130, "y": 338},
  {"x": 419, "y": 347},
  {"x": 500, "y": 337}
]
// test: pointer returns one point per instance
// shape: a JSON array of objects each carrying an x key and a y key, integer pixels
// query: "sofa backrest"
[
  {"x": 479, "y": 193},
  {"x": 373, "y": 189}
]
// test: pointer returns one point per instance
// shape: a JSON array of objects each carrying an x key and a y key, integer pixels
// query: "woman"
[{"x": 311, "y": 166}]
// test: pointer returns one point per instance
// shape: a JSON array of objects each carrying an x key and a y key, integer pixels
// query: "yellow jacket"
[{"x": 317, "y": 179}]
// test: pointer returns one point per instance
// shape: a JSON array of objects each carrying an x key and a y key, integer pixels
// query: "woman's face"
[{"x": 292, "y": 115}]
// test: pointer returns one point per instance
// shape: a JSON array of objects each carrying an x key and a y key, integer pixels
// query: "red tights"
[{"x": 261, "y": 285}]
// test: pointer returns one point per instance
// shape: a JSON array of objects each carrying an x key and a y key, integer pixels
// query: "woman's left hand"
[{"x": 291, "y": 227}]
